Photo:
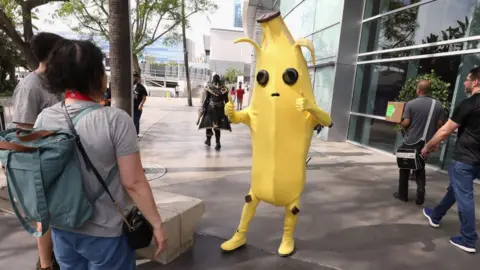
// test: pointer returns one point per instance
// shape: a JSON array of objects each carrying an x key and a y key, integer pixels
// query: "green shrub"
[{"x": 438, "y": 89}]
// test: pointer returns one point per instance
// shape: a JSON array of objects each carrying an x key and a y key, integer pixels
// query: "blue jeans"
[
  {"x": 75, "y": 251},
  {"x": 136, "y": 118},
  {"x": 460, "y": 190}
]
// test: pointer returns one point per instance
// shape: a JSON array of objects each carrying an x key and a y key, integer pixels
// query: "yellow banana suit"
[{"x": 281, "y": 117}]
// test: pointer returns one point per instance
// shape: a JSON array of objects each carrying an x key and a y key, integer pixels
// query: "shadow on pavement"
[{"x": 206, "y": 254}]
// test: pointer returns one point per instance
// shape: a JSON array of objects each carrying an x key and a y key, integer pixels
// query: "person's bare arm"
[
  {"x": 439, "y": 124},
  {"x": 441, "y": 135},
  {"x": 405, "y": 123},
  {"x": 135, "y": 183}
]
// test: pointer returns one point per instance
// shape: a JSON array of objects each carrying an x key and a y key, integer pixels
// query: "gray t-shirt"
[
  {"x": 417, "y": 111},
  {"x": 105, "y": 133},
  {"x": 30, "y": 98}
]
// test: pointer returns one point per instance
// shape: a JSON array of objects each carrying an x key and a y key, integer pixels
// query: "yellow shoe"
[
  {"x": 286, "y": 247},
  {"x": 239, "y": 239}
]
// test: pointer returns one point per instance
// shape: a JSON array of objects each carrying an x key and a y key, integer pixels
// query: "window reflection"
[
  {"x": 300, "y": 20},
  {"x": 323, "y": 90},
  {"x": 377, "y": 84},
  {"x": 436, "y": 21},
  {"x": 326, "y": 42},
  {"x": 328, "y": 12},
  {"x": 375, "y": 133},
  {"x": 375, "y": 7}
]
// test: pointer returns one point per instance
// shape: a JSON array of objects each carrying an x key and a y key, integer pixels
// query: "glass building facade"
[
  {"x": 366, "y": 50},
  {"x": 401, "y": 40},
  {"x": 318, "y": 21},
  {"x": 237, "y": 21}
]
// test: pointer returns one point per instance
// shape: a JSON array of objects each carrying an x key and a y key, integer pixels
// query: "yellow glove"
[
  {"x": 230, "y": 107},
  {"x": 304, "y": 104}
]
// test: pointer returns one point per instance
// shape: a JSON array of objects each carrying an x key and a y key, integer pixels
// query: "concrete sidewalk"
[{"x": 348, "y": 219}]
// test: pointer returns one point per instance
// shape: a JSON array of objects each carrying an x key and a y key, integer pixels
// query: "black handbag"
[
  {"x": 136, "y": 227},
  {"x": 409, "y": 156}
]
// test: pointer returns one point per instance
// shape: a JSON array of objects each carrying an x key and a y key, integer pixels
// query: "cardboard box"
[{"x": 394, "y": 111}]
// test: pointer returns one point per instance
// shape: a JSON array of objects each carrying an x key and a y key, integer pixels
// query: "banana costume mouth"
[{"x": 275, "y": 95}]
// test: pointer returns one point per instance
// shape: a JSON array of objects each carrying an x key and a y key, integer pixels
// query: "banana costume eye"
[
  {"x": 290, "y": 76},
  {"x": 262, "y": 77}
]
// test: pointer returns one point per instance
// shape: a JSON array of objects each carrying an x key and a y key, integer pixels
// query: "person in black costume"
[{"x": 213, "y": 115}]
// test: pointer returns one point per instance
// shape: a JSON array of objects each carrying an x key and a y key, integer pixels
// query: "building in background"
[
  {"x": 237, "y": 22},
  {"x": 220, "y": 51},
  {"x": 366, "y": 50},
  {"x": 224, "y": 54}
]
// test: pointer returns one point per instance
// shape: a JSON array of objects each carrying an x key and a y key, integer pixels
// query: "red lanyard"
[{"x": 77, "y": 96}]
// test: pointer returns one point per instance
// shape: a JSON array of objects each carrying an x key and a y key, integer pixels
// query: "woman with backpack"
[{"x": 109, "y": 139}]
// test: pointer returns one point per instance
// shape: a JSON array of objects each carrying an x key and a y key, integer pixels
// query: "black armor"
[{"x": 213, "y": 111}]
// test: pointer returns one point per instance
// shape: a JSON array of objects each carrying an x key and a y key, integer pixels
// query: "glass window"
[
  {"x": 323, "y": 91},
  {"x": 301, "y": 20},
  {"x": 306, "y": 53},
  {"x": 377, "y": 84},
  {"x": 436, "y": 21},
  {"x": 375, "y": 133},
  {"x": 287, "y": 5},
  {"x": 292, "y": 21},
  {"x": 326, "y": 42},
  {"x": 470, "y": 45},
  {"x": 328, "y": 12},
  {"x": 375, "y": 7}
]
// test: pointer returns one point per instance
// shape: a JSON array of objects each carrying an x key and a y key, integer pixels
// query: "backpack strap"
[
  {"x": 108, "y": 181},
  {"x": 85, "y": 112},
  {"x": 90, "y": 167}
]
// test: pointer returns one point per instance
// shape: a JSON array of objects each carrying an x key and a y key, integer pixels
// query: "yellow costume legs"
[
  {"x": 239, "y": 238},
  {"x": 291, "y": 214}
]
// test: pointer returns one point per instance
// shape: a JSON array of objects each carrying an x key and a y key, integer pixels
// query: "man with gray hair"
[{"x": 417, "y": 134}]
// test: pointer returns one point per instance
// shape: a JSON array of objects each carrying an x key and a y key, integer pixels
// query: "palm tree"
[{"x": 120, "y": 54}]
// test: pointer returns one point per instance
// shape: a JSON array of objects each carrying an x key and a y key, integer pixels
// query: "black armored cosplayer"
[{"x": 212, "y": 111}]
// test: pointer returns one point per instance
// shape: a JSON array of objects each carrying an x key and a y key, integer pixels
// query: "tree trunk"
[
  {"x": 185, "y": 55},
  {"x": 120, "y": 55},
  {"x": 27, "y": 22},
  {"x": 136, "y": 64},
  {"x": 11, "y": 72}
]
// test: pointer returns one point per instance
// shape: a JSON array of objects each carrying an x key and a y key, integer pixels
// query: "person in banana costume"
[{"x": 281, "y": 117}]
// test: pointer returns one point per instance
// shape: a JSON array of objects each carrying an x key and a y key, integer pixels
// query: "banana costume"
[{"x": 281, "y": 117}]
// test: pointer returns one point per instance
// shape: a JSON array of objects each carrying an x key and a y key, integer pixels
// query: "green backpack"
[{"x": 44, "y": 177}]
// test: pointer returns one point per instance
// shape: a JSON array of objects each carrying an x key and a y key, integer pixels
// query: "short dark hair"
[
  {"x": 42, "y": 44},
  {"x": 475, "y": 73},
  {"x": 75, "y": 65}
]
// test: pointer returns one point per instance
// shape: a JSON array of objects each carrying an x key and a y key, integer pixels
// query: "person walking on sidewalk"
[
  {"x": 465, "y": 165},
  {"x": 240, "y": 92},
  {"x": 420, "y": 121},
  {"x": 109, "y": 139},
  {"x": 29, "y": 99},
  {"x": 213, "y": 111},
  {"x": 139, "y": 97}
]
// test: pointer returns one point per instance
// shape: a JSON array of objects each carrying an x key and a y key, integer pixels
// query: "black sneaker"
[
  {"x": 218, "y": 146},
  {"x": 420, "y": 198},
  {"x": 397, "y": 196},
  {"x": 207, "y": 143}
]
